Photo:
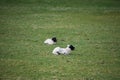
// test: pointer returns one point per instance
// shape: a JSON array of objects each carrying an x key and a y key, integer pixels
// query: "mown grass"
[{"x": 91, "y": 26}]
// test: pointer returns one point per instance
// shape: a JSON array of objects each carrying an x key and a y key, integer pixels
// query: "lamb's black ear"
[
  {"x": 54, "y": 39},
  {"x": 72, "y": 47}
]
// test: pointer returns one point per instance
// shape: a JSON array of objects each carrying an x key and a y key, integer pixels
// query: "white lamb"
[
  {"x": 65, "y": 51},
  {"x": 51, "y": 41}
]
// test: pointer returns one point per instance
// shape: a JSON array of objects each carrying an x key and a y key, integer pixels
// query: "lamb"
[
  {"x": 51, "y": 41},
  {"x": 65, "y": 51}
]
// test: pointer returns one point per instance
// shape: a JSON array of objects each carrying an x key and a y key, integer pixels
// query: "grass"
[{"x": 91, "y": 26}]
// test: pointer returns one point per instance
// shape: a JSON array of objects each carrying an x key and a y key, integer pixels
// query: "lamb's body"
[
  {"x": 59, "y": 50},
  {"x": 49, "y": 41}
]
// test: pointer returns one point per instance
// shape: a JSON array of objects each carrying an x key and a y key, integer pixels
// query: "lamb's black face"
[
  {"x": 71, "y": 47},
  {"x": 54, "y": 39}
]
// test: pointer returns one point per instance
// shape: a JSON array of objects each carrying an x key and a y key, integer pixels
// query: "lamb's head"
[
  {"x": 54, "y": 39},
  {"x": 71, "y": 47}
]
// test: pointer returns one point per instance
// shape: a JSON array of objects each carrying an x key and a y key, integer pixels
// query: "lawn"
[{"x": 92, "y": 26}]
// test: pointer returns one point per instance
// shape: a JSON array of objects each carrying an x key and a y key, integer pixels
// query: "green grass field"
[{"x": 92, "y": 26}]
